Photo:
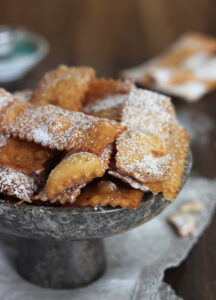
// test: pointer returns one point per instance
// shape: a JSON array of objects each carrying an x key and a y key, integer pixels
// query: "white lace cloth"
[{"x": 136, "y": 259}]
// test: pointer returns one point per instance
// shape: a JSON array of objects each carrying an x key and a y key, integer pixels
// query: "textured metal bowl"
[{"x": 69, "y": 239}]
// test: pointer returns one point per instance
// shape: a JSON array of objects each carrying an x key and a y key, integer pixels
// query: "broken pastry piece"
[
  {"x": 183, "y": 223},
  {"x": 153, "y": 150},
  {"x": 109, "y": 192},
  {"x": 65, "y": 87},
  {"x": 77, "y": 168},
  {"x": 23, "y": 167},
  {"x": 191, "y": 206},
  {"x": 186, "y": 69},
  {"x": 61, "y": 129}
]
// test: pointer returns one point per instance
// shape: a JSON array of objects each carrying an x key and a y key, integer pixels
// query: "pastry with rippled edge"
[
  {"x": 154, "y": 148},
  {"x": 109, "y": 192},
  {"x": 77, "y": 168},
  {"x": 23, "y": 156},
  {"x": 187, "y": 69},
  {"x": 144, "y": 150},
  {"x": 68, "y": 195},
  {"x": 23, "y": 167},
  {"x": 60, "y": 129},
  {"x": 24, "y": 95},
  {"x": 65, "y": 87}
]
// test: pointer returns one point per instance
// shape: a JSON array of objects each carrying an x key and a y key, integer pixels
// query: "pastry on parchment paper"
[{"x": 187, "y": 69}]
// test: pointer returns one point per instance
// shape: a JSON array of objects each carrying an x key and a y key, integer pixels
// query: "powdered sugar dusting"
[
  {"x": 110, "y": 101},
  {"x": 187, "y": 69},
  {"x": 3, "y": 139},
  {"x": 61, "y": 129},
  {"x": 148, "y": 112},
  {"x": 143, "y": 150},
  {"x": 5, "y": 99},
  {"x": 152, "y": 165},
  {"x": 18, "y": 184},
  {"x": 132, "y": 182}
]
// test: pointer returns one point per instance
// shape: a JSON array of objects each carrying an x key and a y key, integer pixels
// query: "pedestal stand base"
[{"x": 61, "y": 264}]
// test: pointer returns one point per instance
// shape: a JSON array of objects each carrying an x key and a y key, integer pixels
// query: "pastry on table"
[{"x": 187, "y": 69}]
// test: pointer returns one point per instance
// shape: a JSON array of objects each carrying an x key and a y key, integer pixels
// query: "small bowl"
[{"x": 20, "y": 51}]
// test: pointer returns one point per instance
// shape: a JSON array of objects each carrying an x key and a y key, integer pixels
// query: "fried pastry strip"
[
  {"x": 65, "y": 87},
  {"x": 143, "y": 151},
  {"x": 186, "y": 69},
  {"x": 61, "y": 129},
  {"x": 23, "y": 167},
  {"x": 154, "y": 148},
  {"x": 76, "y": 169},
  {"x": 23, "y": 156},
  {"x": 107, "y": 192},
  {"x": 18, "y": 184}
]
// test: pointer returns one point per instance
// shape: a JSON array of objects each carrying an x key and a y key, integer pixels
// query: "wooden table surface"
[{"x": 112, "y": 35}]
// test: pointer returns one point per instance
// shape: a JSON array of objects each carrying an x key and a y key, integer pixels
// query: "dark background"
[{"x": 111, "y": 35}]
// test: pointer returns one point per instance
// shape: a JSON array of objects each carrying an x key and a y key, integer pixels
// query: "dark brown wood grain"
[{"x": 111, "y": 35}]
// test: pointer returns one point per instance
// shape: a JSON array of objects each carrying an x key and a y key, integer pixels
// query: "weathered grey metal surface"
[{"x": 59, "y": 247}]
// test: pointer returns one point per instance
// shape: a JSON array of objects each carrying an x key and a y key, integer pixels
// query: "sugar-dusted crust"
[
  {"x": 65, "y": 87},
  {"x": 128, "y": 179},
  {"x": 18, "y": 184},
  {"x": 144, "y": 150},
  {"x": 23, "y": 167},
  {"x": 184, "y": 224},
  {"x": 108, "y": 107},
  {"x": 153, "y": 150},
  {"x": 61, "y": 129},
  {"x": 101, "y": 88},
  {"x": 109, "y": 192},
  {"x": 186, "y": 69}
]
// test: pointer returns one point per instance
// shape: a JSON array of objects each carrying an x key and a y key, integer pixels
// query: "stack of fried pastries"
[{"x": 82, "y": 141}]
